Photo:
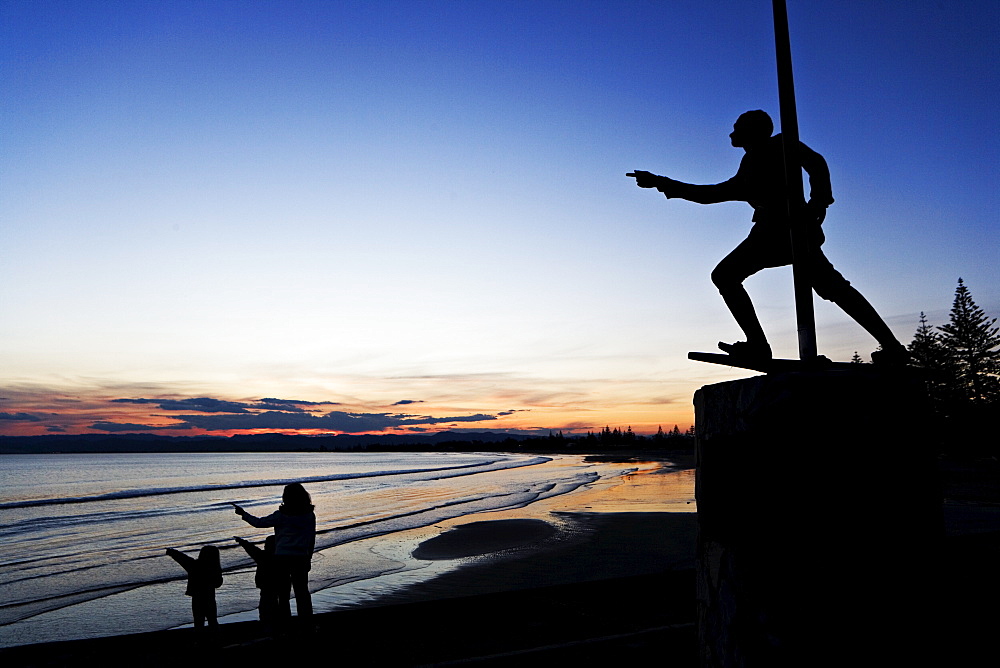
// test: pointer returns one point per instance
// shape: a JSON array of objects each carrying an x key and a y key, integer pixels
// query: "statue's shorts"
[{"x": 767, "y": 247}]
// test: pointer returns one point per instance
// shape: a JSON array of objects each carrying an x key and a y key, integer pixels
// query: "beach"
[
  {"x": 85, "y": 534},
  {"x": 620, "y": 529},
  {"x": 603, "y": 576},
  {"x": 606, "y": 565}
]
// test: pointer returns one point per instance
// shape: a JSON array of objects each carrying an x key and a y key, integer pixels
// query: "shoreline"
[
  {"x": 616, "y": 529},
  {"x": 580, "y": 547},
  {"x": 509, "y": 607},
  {"x": 558, "y": 540},
  {"x": 364, "y": 541},
  {"x": 602, "y": 546}
]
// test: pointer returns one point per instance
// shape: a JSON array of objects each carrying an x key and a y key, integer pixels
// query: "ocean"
[{"x": 84, "y": 535}]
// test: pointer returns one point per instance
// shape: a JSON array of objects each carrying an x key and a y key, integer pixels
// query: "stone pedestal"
[{"x": 819, "y": 520}]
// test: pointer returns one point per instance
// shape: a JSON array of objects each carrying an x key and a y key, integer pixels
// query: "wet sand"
[
  {"x": 599, "y": 546},
  {"x": 478, "y": 538},
  {"x": 619, "y": 529}
]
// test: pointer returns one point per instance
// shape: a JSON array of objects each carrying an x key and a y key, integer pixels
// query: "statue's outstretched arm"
[{"x": 727, "y": 191}]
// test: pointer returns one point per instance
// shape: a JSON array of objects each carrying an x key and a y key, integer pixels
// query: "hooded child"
[{"x": 204, "y": 577}]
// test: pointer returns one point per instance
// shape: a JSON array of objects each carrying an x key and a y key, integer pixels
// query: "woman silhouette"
[{"x": 294, "y": 525}]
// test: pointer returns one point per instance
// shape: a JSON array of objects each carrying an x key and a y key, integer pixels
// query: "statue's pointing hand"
[
  {"x": 644, "y": 179},
  {"x": 649, "y": 180}
]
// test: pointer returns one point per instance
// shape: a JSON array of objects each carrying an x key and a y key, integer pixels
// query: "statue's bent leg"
[{"x": 728, "y": 277}]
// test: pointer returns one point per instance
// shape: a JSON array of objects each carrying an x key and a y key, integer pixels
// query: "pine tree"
[
  {"x": 928, "y": 353},
  {"x": 972, "y": 346},
  {"x": 926, "y": 350},
  {"x": 856, "y": 358}
]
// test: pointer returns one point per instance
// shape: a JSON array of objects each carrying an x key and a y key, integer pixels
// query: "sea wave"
[
  {"x": 118, "y": 495},
  {"x": 69, "y": 557}
]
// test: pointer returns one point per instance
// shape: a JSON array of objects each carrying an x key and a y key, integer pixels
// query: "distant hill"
[{"x": 114, "y": 443}]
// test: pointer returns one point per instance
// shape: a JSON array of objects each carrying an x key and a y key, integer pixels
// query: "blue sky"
[{"x": 349, "y": 205}]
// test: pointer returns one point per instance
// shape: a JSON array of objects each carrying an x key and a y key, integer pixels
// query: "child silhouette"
[
  {"x": 204, "y": 577},
  {"x": 265, "y": 578}
]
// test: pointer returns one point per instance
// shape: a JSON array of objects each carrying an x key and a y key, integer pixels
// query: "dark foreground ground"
[
  {"x": 638, "y": 621},
  {"x": 634, "y": 621},
  {"x": 622, "y": 619}
]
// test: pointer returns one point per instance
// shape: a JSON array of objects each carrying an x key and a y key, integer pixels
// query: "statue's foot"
[
  {"x": 747, "y": 350},
  {"x": 894, "y": 355}
]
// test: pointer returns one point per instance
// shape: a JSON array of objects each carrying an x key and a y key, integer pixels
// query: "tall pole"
[{"x": 804, "y": 315}]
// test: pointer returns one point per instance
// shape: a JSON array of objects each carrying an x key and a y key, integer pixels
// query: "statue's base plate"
[{"x": 820, "y": 363}]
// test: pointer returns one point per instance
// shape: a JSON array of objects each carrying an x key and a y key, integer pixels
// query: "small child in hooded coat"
[{"x": 204, "y": 577}]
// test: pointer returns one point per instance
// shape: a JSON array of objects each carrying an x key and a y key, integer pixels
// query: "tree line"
[
  {"x": 616, "y": 437},
  {"x": 960, "y": 365}
]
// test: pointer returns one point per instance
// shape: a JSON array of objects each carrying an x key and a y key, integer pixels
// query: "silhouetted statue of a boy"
[{"x": 760, "y": 181}]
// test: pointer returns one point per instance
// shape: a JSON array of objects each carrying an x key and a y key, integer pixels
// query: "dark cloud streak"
[
  {"x": 334, "y": 421},
  {"x": 203, "y": 404},
  {"x": 20, "y": 417},
  {"x": 128, "y": 426},
  {"x": 210, "y": 405}
]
